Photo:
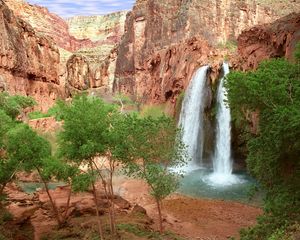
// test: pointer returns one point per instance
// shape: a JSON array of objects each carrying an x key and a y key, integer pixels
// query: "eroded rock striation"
[{"x": 28, "y": 61}]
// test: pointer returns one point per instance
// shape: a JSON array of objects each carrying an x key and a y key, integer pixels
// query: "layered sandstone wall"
[
  {"x": 107, "y": 28},
  {"x": 28, "y": 62},
  {"x": 107, "y": 31},
  {"x": 163, "y": 43}
]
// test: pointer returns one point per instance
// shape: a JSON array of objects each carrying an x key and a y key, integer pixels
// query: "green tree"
[
  {"x": 10, "y": 108},
  {"x": 273, "y": 90},
  {"x": 84, "y": 137},
  {"x": 32, "y": 152},
  {"x": 156, "y": 146},
  {"x": 117, "y": 152}
]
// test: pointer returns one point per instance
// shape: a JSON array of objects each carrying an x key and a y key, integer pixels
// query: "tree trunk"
[
  {"x": 54, "y": 207},
  {"x": 112, "y": 205},
  {"x": 97, "y": 212},
  {"x": 158, "y": 204},
  {"x": 96, "y": 204},
  {"x": 67, "y": 206},
  {"x": 107, "y": 195}
]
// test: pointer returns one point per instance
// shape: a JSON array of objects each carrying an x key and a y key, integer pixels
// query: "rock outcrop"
[
  {"x": 28, "y": 61},
  {"x": 277, "y": 39},
  {"x": 165, "y": 41},
  {"x": 48, "y": 24},
  {"x": 92, "y": 40},
  {"x": 106, "y": 31}
]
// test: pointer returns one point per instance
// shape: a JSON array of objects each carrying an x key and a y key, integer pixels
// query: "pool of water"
[
  {"x": 31, "y": 187},
  {"x": 203, "y": 183}
]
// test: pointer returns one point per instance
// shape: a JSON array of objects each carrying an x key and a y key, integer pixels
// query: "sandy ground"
[{"x": 192, "y": 218}]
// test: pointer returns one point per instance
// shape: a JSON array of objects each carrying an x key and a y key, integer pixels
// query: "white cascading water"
[
  {"x": 191, "y": 118},
  {"x": 222, "y": 162}
]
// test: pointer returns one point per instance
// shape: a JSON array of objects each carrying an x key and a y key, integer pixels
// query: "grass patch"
[
  {"x": 52, "y": 112},
  {"x": 154, "y": 111},
  {"x": 38, "y": 115}
]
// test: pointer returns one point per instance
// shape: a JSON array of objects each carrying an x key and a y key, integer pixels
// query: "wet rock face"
[
  {"x": 277, "y": 39},
  {"x": 165, "y": 41},
  {"x": 28, "y": 62}
]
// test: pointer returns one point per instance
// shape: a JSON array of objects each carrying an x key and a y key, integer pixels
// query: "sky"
[{"x": 70, "y": 8}]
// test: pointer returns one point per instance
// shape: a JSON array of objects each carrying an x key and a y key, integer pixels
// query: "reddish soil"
[
  {"x": 194, "y": 218},
  {"x": 187, "y": 217}
]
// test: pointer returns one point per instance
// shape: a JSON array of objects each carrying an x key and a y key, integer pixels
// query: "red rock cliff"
[
  {"x": 165, "y": 41},
  {"x": 261, "y": 42},
  {"x": 92, "y": 39},
  {"x": 48, "y": 24},
  {"x": 28, "y": 62}
]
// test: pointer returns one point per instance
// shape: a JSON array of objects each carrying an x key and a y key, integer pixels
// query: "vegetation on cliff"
[{"x": 272, "y": 91}]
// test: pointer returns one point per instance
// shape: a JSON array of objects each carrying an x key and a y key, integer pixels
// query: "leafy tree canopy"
[
  {"x": 13, "y": 105},
  {"x": 85, "y": 124},
  {"x": 273, "y": 90},
  {"x": 26, "y": 147}
]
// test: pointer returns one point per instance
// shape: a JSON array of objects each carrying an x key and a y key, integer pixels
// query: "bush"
[{"x": 7, "y": 216}]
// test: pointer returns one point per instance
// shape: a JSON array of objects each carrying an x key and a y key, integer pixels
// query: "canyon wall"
[
  {"x": 92, "y": 40},
  {"x": 152, "y": 55},
  {"x": 277, "y": 39},
  {"x": 48, "y": 24},
  {"x": 106, "y": 28},
  {"x": 165, "y": 41},
  {"x": 106, "y": 31},
  {"x": 28, "y": 62}
]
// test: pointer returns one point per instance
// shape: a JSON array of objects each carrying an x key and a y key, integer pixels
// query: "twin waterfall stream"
[
  {"x": 191, "y": 117},
  {"x": 191, "y": 121}
]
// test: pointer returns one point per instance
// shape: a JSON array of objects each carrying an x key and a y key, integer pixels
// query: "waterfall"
[
  {"x": 222, "y": 159},
  {"x": 222, "y": 162},
  {"x": 191, "y": 117}
]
